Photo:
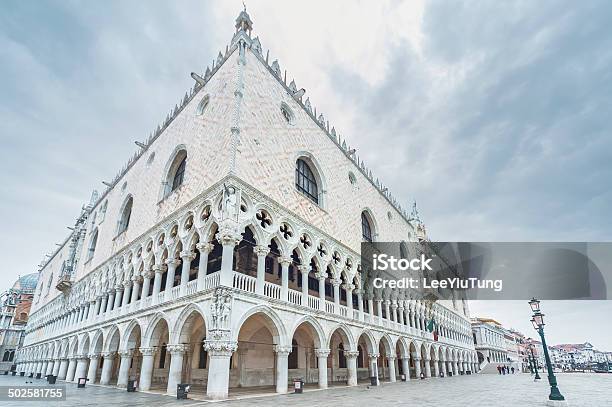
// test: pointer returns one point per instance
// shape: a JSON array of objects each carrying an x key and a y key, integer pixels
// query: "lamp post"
[
  {"x": 535, "y": 363},
  {"x": 538, "y": 324}
]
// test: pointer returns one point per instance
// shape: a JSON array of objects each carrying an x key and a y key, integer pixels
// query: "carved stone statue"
[{"x": 220, "y": 308}]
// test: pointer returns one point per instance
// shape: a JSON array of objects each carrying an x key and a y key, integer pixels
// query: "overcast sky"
[{"x": 494, "y": 116}]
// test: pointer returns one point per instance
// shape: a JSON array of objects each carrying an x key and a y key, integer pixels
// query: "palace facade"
[{"x": 226, "y": 255}]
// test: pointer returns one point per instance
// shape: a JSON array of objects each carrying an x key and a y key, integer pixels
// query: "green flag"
[{"x": 431, "y": 325}]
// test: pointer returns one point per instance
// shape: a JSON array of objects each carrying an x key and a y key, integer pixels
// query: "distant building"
[
  {"x": 14, "y": 312},
  {"x": 579, "y": 355}
]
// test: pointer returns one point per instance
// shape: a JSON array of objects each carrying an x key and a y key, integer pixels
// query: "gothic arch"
[
  {"x": 184, "y": 318},
  {"x": 274, "y": 324},
  {"x": 170, "y": 169},
  {"x": 319, "y": 337},
  {"x": 345, "y": 333},
  {"x": 317, "y": 171}
]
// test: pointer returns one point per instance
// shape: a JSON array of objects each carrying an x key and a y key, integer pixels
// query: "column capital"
[
  {"x": 304, "y": 269},
  {"x": 336, "y": 282},
  {"x": 261, "y": 251},
  {"x": 94, "y": 356},
  {"x": 228, "y": 237},
  {"x": 127, "y": 283},
  {"x": 119, "y": 287},
  {"x": 187, "y": 255},
  {"x": 373, "y": 355},
  {"x": 173, "y": 262},
  {"x": 284, "y": 260},
  {"x": 177, "y": 348},
  {"x": 282, "y": 350},
  {"x": 322, "y": 353},
  {"x": 321, "y": 276},
  {"x": 147, "y": 351},
  {"x": 394, "y": 306},
  {"x": 149, "y": 274},
  {"x": 348, "y": 286},
  {"x": 80, "y": 357},
  {"x": 220, "y": 348},
  {"x": 126, "y": 353},
  {"x": 159, "y": 268},
  {"x": 106, "y": 355},
  {"x": 137, "y": 279},
  {"x": 205, "y": 247},
  {"x": 350, "y": 354},
  {"x": 391, "y": 357}
]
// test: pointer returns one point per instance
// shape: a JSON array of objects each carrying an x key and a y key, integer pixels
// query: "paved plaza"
[{"x": 581, "y": 390}]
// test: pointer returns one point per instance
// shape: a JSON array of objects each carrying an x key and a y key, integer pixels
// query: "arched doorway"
[
  {"x": 302, "y": 362},
  {"x": 195, "y": 359}
]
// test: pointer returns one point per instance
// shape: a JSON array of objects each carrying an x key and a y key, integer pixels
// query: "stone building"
[
  {"x": 14, "y": 313},
  {"x": 489, "y": 338},
  {"x": 226, "y": 254}
]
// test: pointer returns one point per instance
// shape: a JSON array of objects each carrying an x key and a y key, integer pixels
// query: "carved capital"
[
  {"x": 322, "y": 353},
  {"x": 159, "y": 268},
  {"x": 137, "y": 279},
  {"x": 228, "y": 237},
  {"x": 348, "y": 287},
  {"x": 321, "y": 276},
  {"x": 373, "y": 355},
  {"x": 126, "y": 353},
  {"x": 177, "y": 348},
  {"x": 107, "y": 355},
  {"x": 336, "y": 282},
  {"x": 350, "y": 354},
  {"x": 94, "y": 356},
  {"x": 149, "y": 274},
  {"x": 220, "y": 348},
  {"x": 187, "y": 256},
  {"x": 127, "y": 283},
  {"x": 304, "y": 269},
  {"x": 205, "y": 247},
  {"x": 147, "y": 351},
  {"x": 284, "y": 260},
  {"x": 282, "y": 350},
  {"x": 261, "y": 251},
  {"x": 173, "y": 262}
]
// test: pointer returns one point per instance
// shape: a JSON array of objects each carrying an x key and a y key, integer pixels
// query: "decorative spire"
[{"x": 244, "y": 22}]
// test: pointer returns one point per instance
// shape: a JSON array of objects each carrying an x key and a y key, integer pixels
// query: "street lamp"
[
  {"x": 538, "y": 325},
  {"x": 535, "y": 363}
]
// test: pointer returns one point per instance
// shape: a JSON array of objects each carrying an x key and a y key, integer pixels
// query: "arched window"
[
  {"x": 179, "y": 174},
  {"x": 287, "y": 113},
  {"x": 175, "y": 175},
  {"x": 203, "y": 105},
  {"x": 126, "y": 213},
  {"x": 366, "y": 227},
  {"x": 92, "y": 244},
  {"x": 305, "y": 181}
]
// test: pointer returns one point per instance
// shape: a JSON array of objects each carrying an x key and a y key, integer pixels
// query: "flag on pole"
[{"x": 433, "y": 327}]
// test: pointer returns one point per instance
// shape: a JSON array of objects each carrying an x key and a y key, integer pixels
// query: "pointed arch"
[
  {"x": 319, "y": 338},
  {"x": 183, "y": 320},
  {"x": 275, "y": 324},
  {"x": 344, "y": 333}
]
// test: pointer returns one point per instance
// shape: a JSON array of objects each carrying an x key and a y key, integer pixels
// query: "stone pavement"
[{"x": 581, "y": 390}]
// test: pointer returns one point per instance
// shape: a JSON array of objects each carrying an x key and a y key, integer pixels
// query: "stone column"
[
  {"x": 104, "y": 303},
  {"x": 97, "y": 306},
  {"x": 261, "y": 252},
  {"x": 360, "y": 303},
  {"x": 118, "y": 295},
  {"x": 146, "y": 284},
  {"x": 176, "y": 367},
  {"x": 72, "y": 362},
  {"x": 449, "y": 367},
  {"x": 56, "y": 367},
  {"x": 322, "y": 355},
  {"x": 135, "y": 289},
  {"x": 111, "y": 300},
  {"x": 436, "y": 368},
  {"x": 124, "y": 367},
  {"x": 92, "y": 309},
  {"x": 427, "y": 367},
  {"x": 146, "y": 371},
  {"x": 172, "y": 264},
  {"x": 417, "y": 366},
  {"x": 81, "y": 368},
  {"x": 391, "y": 360},
  {"x": 127, "y": 291},
  {"x": 158, "y": 269},
  {"x": 387, "y": 309},
  {"x": 304, "y": 270},
  {"x": 219, "y": 353},
  {"x": 374, "y": 366},
  {"x": 107, "y": 367},
  {"x": 351, "y": 364},
  {"x": 205, "y": 249},
  {"x": 394, "y": 312},
  {"x": 63, "y": 369},
  {"x": 400, "y": 308},
  {"x": 186, "y": 257},
  {"x": 94, "y": 358},
  {"x": 349, "y": 298},
  {"x": 228, "y": 239},
  {"x": 284, "y": 261},
  {"x": 49, "y": 367},
  {"x": 336, "y": 284},
  {"x": 379, "y": 310},
  {"x": 455, "y": 368},
  {"x": 406, "y": 367},
  {"x": 321, "y": 277},
  {"x": 282, "y": 368}
]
